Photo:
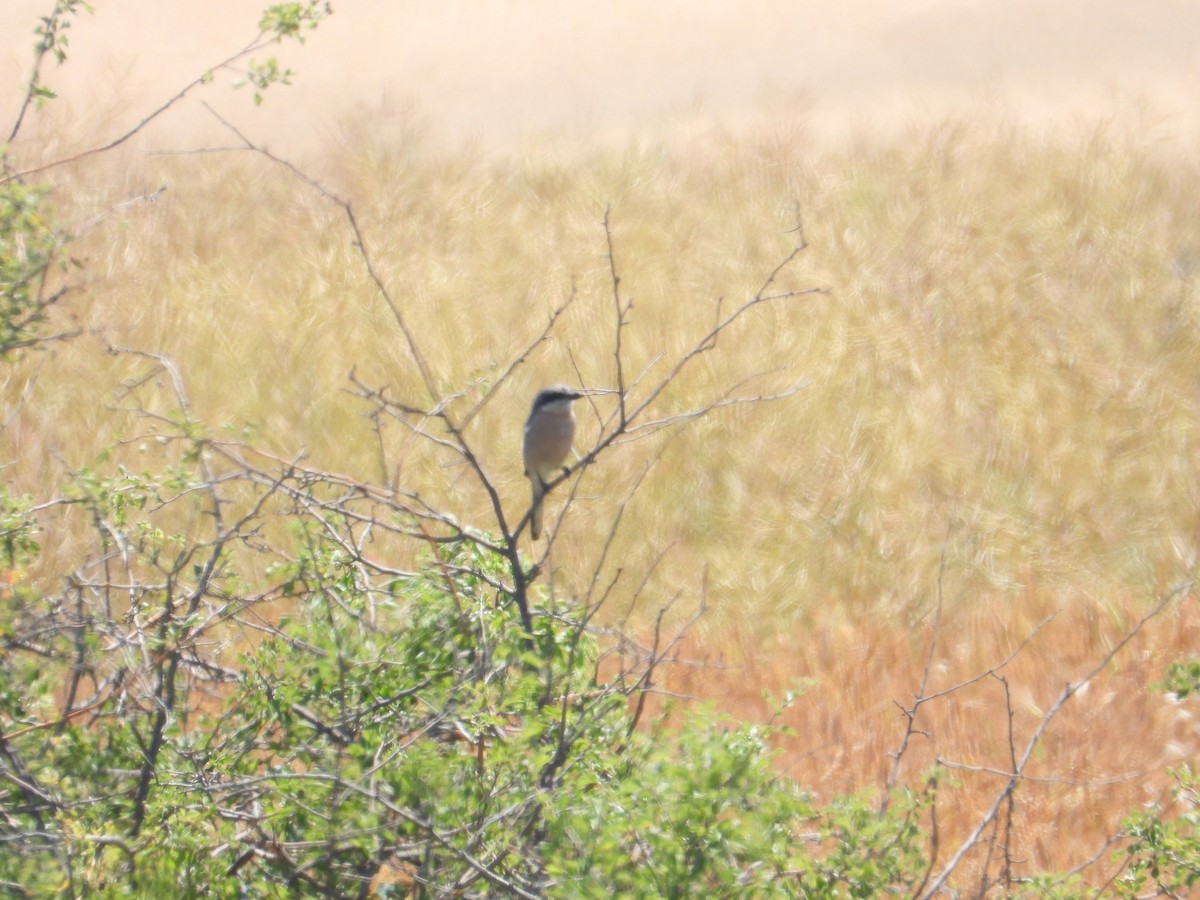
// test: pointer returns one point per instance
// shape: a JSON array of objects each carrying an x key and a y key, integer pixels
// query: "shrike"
[{"x": 549, "y": 432}]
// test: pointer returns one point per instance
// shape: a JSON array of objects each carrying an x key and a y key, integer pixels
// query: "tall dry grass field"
[{"x": 1000, "y": 418}]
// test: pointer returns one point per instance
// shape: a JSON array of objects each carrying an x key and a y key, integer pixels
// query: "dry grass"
[
  {"x": 1003, "y": 395},
  {"x": 1104, "y": 756}
]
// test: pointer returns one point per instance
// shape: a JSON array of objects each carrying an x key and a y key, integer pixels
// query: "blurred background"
[
  {"x": 1003, "y": 401},
  {"x": 499, "y": 71}
]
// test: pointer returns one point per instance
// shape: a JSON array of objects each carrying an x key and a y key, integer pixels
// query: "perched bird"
[{"x": 548, "y": 435}]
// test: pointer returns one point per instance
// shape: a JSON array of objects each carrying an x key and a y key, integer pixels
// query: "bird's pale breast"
[{"x": 547, "y": 445}]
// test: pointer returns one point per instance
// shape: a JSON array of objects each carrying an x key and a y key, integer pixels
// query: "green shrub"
[{"x": 371, "y": 728}]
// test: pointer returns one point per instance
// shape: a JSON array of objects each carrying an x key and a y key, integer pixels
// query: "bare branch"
[
  {"x": 254, "y": 46},
  {"x": 359, "y": 242},
  {"x": 1018, "y": 772}
]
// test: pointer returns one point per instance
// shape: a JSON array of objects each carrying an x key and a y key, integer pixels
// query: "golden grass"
[{"x": 1003, "y": 395}]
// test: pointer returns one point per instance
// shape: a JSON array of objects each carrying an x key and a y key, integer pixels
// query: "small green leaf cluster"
[
  {"x": 1163, "y": 856},
  {"x": 291, "y": 20},
  {"x": 264, "y": 74},
  {"x": 52, "y": 30},
  {"x": 1182, "y": 679},
  {"x": 282, "y": 21},
  {"x": 18, "y": 531},
  {"x": 53, "y": 39},
  {"x": 28, "y": 247}
]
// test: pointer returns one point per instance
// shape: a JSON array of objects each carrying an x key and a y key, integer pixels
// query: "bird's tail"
[{"x": 535, "y": 513}]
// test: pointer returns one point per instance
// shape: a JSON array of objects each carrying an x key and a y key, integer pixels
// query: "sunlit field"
[{"x": 995, "y": 439}]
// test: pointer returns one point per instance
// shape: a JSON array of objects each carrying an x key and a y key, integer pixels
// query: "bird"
[{"x": 549, "y": 431}]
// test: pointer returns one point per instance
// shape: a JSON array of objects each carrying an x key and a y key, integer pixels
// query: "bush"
[{"x": 402, "y": 733}]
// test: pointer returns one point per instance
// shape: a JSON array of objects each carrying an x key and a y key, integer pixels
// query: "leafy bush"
[{"x": 406, "y": 732}]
